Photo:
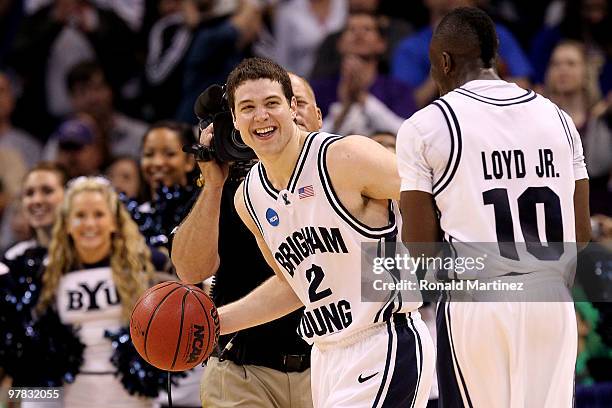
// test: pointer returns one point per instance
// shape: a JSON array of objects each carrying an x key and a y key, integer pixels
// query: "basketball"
[{"x": 174, "y": 326}]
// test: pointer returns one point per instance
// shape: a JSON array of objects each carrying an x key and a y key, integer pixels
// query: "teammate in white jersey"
[
  {"x": 310, "y": 202},
  {"x": 503, "y": 165}
]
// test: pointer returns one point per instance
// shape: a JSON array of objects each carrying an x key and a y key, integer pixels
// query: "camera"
[{"x": 226, "y": 145}]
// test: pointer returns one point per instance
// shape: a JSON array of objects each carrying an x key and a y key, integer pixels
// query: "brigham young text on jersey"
[{"x": 299, "y": 245}]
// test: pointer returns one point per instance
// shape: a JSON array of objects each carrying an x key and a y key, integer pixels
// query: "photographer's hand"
[{"x": 213, "y": 172}]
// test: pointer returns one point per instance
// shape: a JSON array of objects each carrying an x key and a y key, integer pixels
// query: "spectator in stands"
[
  {"x": 587, "y": 21},
  {"x": 55, "y": 38},
  {"x": 124, "y": 174},
  {"x": 163, "y": 163},
  {"x": 593, "y": 355},
  {"x": 78, "y": 146},
  {"x": 11, "y": 14},
  {"x": 299, "y": 28},
  {"x": 28, "y": 148},
  {"x": 90, "y": 93},
  {"x": 12, "y": 171},
  {"x": 410, "y": 62},
  {"x": 393, "y": 29},
  {"x": 572, "y": 84},
  {"x": 168, "y": 43},
  {"x": 130, "y": 11},
  {"x": 169, "y": 177},
  {"x": 218, "y": 44},
  {"x": 359, "y": 99}
]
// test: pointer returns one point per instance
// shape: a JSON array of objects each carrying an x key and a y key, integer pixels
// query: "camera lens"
[{"x": 237, "y": 140}]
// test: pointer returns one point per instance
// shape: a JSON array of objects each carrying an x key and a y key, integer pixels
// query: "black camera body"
[{"x": 226, "y": 145}]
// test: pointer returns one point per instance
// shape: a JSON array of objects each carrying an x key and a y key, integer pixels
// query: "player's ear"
[
  {"x": 293, "y": 107},
  {"x": 319, "y": 118},
  {"x": 447, "y": 63}
]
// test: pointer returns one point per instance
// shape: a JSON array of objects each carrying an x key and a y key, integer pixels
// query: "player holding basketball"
[
  {"x": 263, "y": 366},
  {"x": 496, "y": 354},
  {"x": 310, "y": 202}
]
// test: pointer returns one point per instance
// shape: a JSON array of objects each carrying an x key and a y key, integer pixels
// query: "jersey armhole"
[
  {"x": 456, "y": 146},
  {"x": 248, "y": 203},
  {"x": 338, "y": 207}
]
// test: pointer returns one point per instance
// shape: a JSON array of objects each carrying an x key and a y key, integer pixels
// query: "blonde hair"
[
  {"x": 130, "y": 258},
  {"x": 592, "y": 67}
]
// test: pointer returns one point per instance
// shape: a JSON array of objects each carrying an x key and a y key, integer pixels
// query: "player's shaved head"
[
  {"x": 304, "y": 82},
  {"x": 464, "y": 43},
  {"x": 468, "y": 32}
]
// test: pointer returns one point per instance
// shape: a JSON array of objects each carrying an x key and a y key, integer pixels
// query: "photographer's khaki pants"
[{"x": 225, "y": 384}]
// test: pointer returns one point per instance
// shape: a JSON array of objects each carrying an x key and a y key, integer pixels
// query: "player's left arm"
[
  {"x": 582, "y": 215},
  {"x": 360, "y": 163}
]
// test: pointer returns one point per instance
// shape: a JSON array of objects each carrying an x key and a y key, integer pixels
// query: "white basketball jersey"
[
  {"x": 504, "y": 161},
  {"x": 316, "y": 242}
]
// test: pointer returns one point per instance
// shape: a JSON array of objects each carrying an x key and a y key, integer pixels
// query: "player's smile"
[{"x": 265, "y": 133}]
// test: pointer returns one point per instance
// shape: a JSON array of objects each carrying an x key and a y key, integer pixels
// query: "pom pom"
[
  {"x": 136, "y": 375},
  {"x": 168, "y": 210},
  {"x": 45, "y": 343},
  {"x": 51, "y": 347}
]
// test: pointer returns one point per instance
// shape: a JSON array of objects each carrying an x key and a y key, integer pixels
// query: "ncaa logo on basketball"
[
  {"x": 272, "y": 217},
  {"x": 196, "y": 344}
]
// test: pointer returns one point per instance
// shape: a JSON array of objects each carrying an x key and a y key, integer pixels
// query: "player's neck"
[
  {"x": 279, "y": 168},
  {"x": 481, "y": 74}
]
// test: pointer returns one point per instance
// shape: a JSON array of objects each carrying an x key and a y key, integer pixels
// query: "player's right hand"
[{"x": 213, "y": 172}]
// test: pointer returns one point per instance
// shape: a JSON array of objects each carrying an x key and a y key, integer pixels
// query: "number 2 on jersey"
[
  {"x": 504, "y": 225},
  {"x": 315, "y": 276}
]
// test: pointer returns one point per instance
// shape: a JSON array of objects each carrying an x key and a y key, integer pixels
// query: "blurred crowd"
[{"x": 108, "y": 87}]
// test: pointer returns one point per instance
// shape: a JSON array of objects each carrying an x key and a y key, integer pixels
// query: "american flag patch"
[{"x": 305, "y": 192}]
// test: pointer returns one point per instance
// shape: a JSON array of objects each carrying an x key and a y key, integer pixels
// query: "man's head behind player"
[{"x": 463, "y": 44}]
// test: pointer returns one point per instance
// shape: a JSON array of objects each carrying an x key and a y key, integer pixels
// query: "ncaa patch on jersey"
[{"x": 272, "y": 217}]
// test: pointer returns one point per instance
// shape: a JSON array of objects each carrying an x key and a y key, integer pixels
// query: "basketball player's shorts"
[
  {"x": 387, "y": 365},
  {"x": 507, "y": 354}
]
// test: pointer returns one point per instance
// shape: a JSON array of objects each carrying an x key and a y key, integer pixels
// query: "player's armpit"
[
  {"x": 582, "y": 213},
  {"x": 363, "y": 164}
]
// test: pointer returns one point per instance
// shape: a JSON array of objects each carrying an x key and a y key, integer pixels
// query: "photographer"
[{"x": 267, "y": 365}]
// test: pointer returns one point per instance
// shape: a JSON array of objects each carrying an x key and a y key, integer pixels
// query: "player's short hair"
[
  {"x": 251, "y": 69},
  {"x": 473, "y": 25}
]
